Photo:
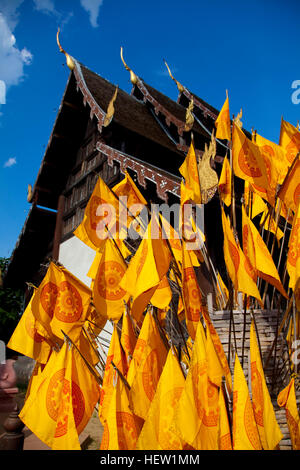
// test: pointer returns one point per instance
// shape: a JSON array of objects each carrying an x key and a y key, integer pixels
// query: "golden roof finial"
[
  {"x": 110, "y": 109},
  {"x": 237, "y": 120},
  {"x": 189, "y": 118},
  {"x": 70, "y": 61},
  {"x": 179, "y": 86},
  {"x": 133, "y": 77}
]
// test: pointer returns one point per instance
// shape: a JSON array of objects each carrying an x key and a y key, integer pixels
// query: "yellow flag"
[
  {"x": 214, "y": 338},
  {"x": 276, "y": 158},
  {"x": 60, "y": 303},
  {"x": 26, "y": 339},
  {"x": 287, "y": 399},
  {"x": 289, "y": 192},
  {"x": 260, "y": 260},
  {"x": 140, "y": 345},
  {"x": 102, "y": 210},
  {"x": 258, "y": 205},
  {"x": 224, "y": 427},
  {"x": 108, "y": 296},
  {"x": 128, "y": 336},
  {"x": 245, "y": 434},
  {"x": 192, "y": 298},
  {"x": 196, "y": 417},
  {"x": 236, "y": 263},
  {"x": 128, "y": 188},
  {"x": 225, "y": 182},
  {"x": 162, "y": 295},
  {"x": 289, "y": 140},
  {"x": 293, "y": 257},
  {"x": 61, "y": 404},
  {"x": 189, "y": 170},
  {"x": 122, "y": 427},
  {"x": 116, "y": 355},
  {"x": 146, "y": 269},
  {"x": 248, "y": 162},
  {"x": 147, "y": 375},
  {"x": 270, "y": 225},
  {"x": 156, "y": 433},
  {"x": 268, "y": 428},
  {"x": 222, "y": 122}
]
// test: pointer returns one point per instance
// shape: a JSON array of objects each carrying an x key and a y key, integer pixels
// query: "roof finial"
[
  {"x": 70, "y": 61},
  {"x": 133, "y": 77},
  {"x": 179, "y": 86}
]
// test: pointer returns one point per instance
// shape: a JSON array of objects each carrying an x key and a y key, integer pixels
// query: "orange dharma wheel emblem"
[
  {"x": 294, "y": 245},
  {"x": 68, "y": 307},
  {"x": 192, "y": 293},
  {"x": 234, "y": 255},
  {"x": 48, "y": 298},
  {"x": 250, "y": 425},
  {"x": 31, "y": 330},
  {"x": 128, "y": 429},
  {"x": 59, "y": 401},
  {"x": 109, "y": 277},
  {"x": 247, "y": 162},
  {"x": 167, "y": 439},
  {"x": 257, "y": 391},
  {"x": 151, "y": 373}
]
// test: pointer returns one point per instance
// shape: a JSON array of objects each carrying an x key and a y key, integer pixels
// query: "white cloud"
[
  {"x": 12, "y": 59},
  {"x": 9, "y": 9},
  {"x": 45, "y": 6},
  {"x": 2, "y": 92},
  {"x": 10, "y": 162},
  {"x": 92, "y": 7}
]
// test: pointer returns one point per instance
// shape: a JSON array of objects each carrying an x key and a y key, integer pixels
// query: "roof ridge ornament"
[
  {"x": 179, "y": 86},
  {"x": 133, "y": 77},
  {"x": 70, "y": 61},
  {"x": 110, "y": 109}
]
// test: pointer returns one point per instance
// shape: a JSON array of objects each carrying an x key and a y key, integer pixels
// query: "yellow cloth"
[
  {"x": 276, "y": 158},
  {"x": 60, "y": 303},
  {"x": 26, "y": 339},
  {"x": 287, "y": 399},
  {"x": 152, "y": 360},
  {"x": 225, "y": 182},
  {"x": 236, "y": 263},
  {"x": 107, "y": 295},
  {"x": 102, "y": 209},
  {"x": 122, "y": 427},
  {"x": 258, "y": 255},
  {"x": 268, "y": 428},
  {"x": 270, "y": 225},
  {"x": 196, "y": 417},
  {"x": 222, "y": 122},
  {"x": 293, "y": 257},
  {"x": 115, "y": 354},
  {"x": 146, "y": 268},
  {"x": 245, "y": 434},
  {"x": 289, "y": 140},
  {"x": 224, "y": 427},
  {"x": 128, "y": 336},
  {"x": 189, "y": 170},
  {"x": 191, "y": 293},
  {"x": 162, "y": 295},
  {"x": 249, "y": 164},
  {"x": 156, "y": 433},
  {"x": 289, "y": 192},
  {"x": 212, "y": 336},
  {"x": 62, "y": 403},
  {"x": 258, "y": 205}
]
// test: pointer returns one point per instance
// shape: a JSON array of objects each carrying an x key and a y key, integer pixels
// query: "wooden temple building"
[{"x": 147, "y": 136}]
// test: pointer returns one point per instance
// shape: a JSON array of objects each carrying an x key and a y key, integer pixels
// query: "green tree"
[{"x": 11, "y": 305}]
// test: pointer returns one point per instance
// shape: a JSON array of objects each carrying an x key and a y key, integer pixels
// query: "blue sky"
[{"x": 250, "y": 48}]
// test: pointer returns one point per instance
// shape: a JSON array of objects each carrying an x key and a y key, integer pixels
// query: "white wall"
[{"x": 77, "y": 258}]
